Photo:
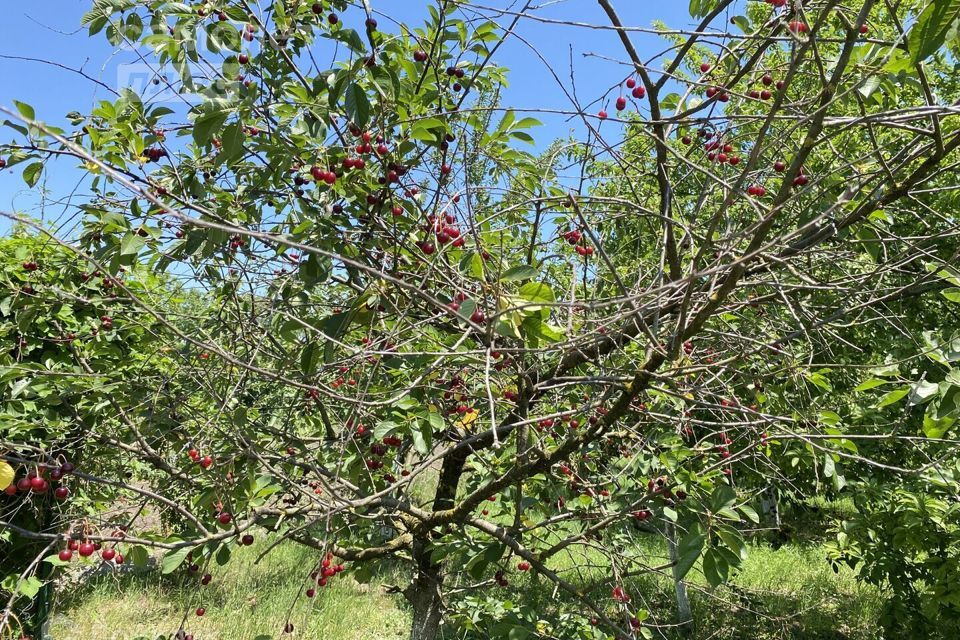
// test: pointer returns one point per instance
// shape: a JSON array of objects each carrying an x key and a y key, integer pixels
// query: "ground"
[{"x": 790, "y": 592}]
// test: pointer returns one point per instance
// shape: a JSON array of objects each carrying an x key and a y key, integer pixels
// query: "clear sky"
[{"x": 50, "y": 30}]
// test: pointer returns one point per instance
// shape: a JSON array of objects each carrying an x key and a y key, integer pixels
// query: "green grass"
[
  {"x": 244, "y": 601},
  {"x": 788, "y": 593}
]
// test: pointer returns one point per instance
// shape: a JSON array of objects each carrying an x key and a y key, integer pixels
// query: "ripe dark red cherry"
[
  {"x": 66, "y": 555},
  {"x": 61, "y": 493},
  {"x": 206, "y": 579},
  {"x": 317, "y": 8},
  {"x": 38, "y": 485},
  {"x": 108, "y": 554},
  {"x": 864, "y": 29},
  {"x": 333, "y": 19},
  {"x": 247, "y": 540},
  {"x": 631, "y": 83},
  {"x": 420, "y": 55},
  {"x": 243, "y": 58},
  {"x": 780, "y": 165},
  {"x": 638, "y": 92},
  {"x": 523, "y": 566},
  {"x": 602, "y": 114},
  {"x": 86, "y": 549},
  {"x": 621, "y": 103},
  {"x": 201, "y": 611},
  {"x": 477, "y": 317},
  {"x": 224, "y": 518},
  {"x": 206, "y": 461},
  {"x": 704, "y": 67}
]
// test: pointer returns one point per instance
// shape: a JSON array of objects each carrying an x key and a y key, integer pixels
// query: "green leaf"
[
  {"x": 520, "y": 272},
  {"x": 29, "y": 587},
  {"x": 138, "y": 556},
  {"x": 750, "y": 513},
  {"x": 55, "y": 560},
  {"x": 131, "y": 243},
  {"x": 715, "y": 568},
  {"x": 892, "y": 397},
  {"x": 922, "y": 391},
  {"x": 688, "y": 551},
  {"x": 930, "y": 30},
  {"x": 31, "y": 175},
  {"x": 870, "y": 383},
  {"x": 700, "y": 8},
  {"x": 205, "y": 125},
  {"x": 518, "y": 633},
  {"x": 25, "y": 110},
  {"x": 231, "y": 144},
  {"x": 952, "y": 294},
  {"x": 422, "y": 434},
  {"x": 223, "y": 555},
  {"x": 357, "y": 105},
  {"x": 829, "y": 466},
  {"x": 174, "y": 559}
]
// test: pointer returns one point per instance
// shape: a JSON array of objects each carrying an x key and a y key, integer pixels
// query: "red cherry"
[
  {"x": 206, "y": 461},
  {"x": 201, "y": 611},
  {"x": 243, "y": 58},
  {"x": 602, "y": 114},
  {"x": 621, "y": 103},
  {"x": 523, "y": 566},
  {"x": 224, "y": 518},
  {"x": 247, "y": 540},
  {"x": 864, "y": 29},
  {"x": 61, "y": 493},
  {"x": 86, "y": 549},
  {"x": 704, "y": 67},
  {"x": 780, "y": 165},
  {"x": 631, "y": 83},
  {"x": 638, "y": 92},
  {"x": 108, "y": 554},
  {"x": 66, "y": 555}
]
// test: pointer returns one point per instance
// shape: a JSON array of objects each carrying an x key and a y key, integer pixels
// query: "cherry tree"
[{"x": 330, "y": 295}]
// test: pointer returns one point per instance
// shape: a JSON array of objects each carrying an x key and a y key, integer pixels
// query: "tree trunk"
[
  {"x": 684, "y": 614},
  {"x": 423, "y": 594}
]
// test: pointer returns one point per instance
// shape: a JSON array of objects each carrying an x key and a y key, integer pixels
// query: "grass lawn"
[{"x": 786, "y": 593}]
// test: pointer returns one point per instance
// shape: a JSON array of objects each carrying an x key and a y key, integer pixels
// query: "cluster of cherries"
[
  {"x": 576, "y": 239},
  {"x": 38, "y": 481},
  {"x": 204, "y": 461},
  {"x": 327, "y": 570},
  {"x": 378, "y": 450},
  {"x": 153, "y": 154},
  {"x": 86, "y": 549}
]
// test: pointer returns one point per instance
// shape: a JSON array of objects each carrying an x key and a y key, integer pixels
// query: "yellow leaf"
[
  {"x": 468, "y": 418},
  {"x": 6, "y": 475}
]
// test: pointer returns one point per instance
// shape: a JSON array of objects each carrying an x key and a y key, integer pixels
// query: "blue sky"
[{"x": 51, "y": 31}]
